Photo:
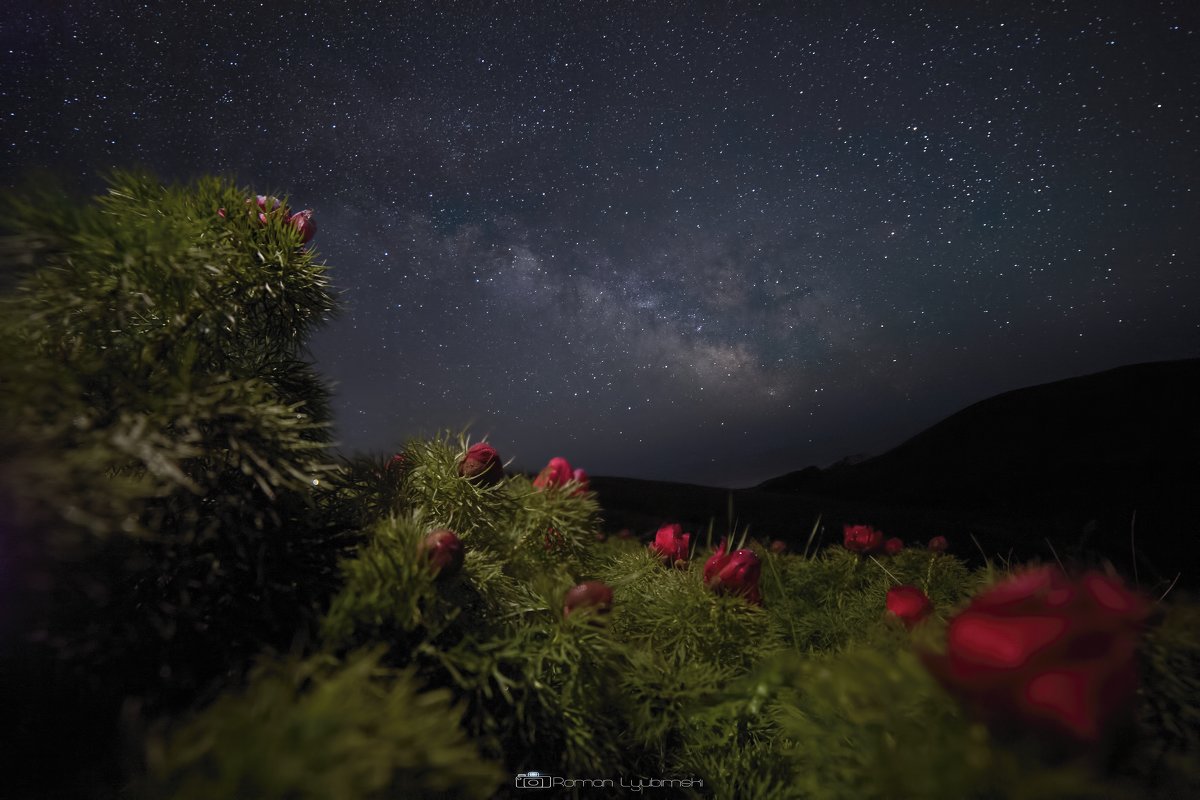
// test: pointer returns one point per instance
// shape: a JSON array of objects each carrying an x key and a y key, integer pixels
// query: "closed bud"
[
  {"x": 303, "y": 222},
  {"x": 595, "y": 595},
  {"x": 444, "y": 550},
  {"x": 481, "y": 464}
]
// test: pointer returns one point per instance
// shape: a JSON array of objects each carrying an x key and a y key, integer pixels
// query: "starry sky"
[{"x": 704, "y": 242}]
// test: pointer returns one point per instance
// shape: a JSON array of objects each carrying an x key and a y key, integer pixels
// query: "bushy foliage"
[
  {"x": 322, "y": 728},
  {"x": 164, "y": 436}
]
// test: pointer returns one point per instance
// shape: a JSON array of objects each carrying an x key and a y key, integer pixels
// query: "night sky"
[{"x": 682, "y": 241}]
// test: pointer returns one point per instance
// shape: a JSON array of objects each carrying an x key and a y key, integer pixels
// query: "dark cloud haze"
[{"x": 703, "y": 245}]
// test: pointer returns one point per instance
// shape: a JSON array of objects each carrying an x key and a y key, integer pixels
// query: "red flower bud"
[
  {"x": 909, "y": 604},
  {"x": 556, "y": 473},
  {"x": 221, "y": 213},
  {"x": 397, "y": 464},
  {"x": 304, "y": 223},
  {"x": 671, "y": 544},
  {"x": 595, "y": 595},
  {"x": 893, "y": 546},
  {"x": 861, "y": 539},
  {"x": 481, "y": 464},
  {"x": 1041, "y": 650},
  {"x": 580, "y": 477},
  {"x": 939, "y": 544},
  {"x": 779, "y": 547},
  {"x": 734, "y": 573},
  {"x": 444, "y": 551}
]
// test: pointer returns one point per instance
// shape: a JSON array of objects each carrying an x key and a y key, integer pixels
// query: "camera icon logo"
[{"x": 533, "y": 780}]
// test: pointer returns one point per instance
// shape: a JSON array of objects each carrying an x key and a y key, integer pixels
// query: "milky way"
[{"x": 709, "y": 246}]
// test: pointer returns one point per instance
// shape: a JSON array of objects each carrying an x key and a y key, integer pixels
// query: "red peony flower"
[
  {"x": 893, "y": 546},
  {"x": 481, "y": 464},
  {"x": 304, "y": 223},
  {"x": 557, "y": 473},
  {"x": 909, "y": 604},
  {"x": 671, "y": 544},
  {"x": 444, "y": 551},
  {"x": 1041, "y": 650},
  {"x": 595, "y": 595},
  {"x": 580, "y": 477},
  {"x": 861, "y": 538},
  {"x": 778, "y": 547},
  {"x": 939, "y": 544},
  {"x": 734, "y": 573}
]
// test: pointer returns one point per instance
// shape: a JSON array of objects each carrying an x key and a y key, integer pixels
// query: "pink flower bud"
[
  {"x": 908, "y": 604},
  {"x": 303, "y": 222},
  {"x": 221, "y": 213},
  {"x": 893, "y": 546},
  {"x": 481, "y": 464},
  {"x": 580, "y": 477},
  {"x": 444, "y": 551},
  {"x": 557, "y": 473},
  {"x": 595, "y": 595},
  {"x": 671, "y": 544},
  {"x": 779, "y": 547},
  {"x": 939, "y": 544}
]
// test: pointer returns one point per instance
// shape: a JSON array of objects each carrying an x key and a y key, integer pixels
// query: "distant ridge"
[
  {"x": 1129, "y": 434},
  {"x": 1099, "y": 468}
]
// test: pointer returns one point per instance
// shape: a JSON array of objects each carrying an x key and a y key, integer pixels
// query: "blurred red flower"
[
  {"x": 939, "y": 544},
  {"x": 671, "y": 544},
  {"x": 734, "y": 573},
  {"x": 909, "y": 604},
  {"x": 595, "y": 595},
  {"x": 1041, "y": 650},
  {"x": 556, "y": 473},
  {"x": 861, "y": 538},
  {"x": 893, "y": 546}
]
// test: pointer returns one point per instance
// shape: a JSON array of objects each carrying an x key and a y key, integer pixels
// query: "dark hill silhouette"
[
  {"x": 1069, "y": 463},
  {"x": 1127, "y": 434}
]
